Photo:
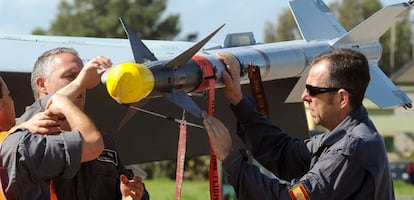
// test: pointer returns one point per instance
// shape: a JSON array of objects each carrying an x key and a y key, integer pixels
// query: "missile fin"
[
  {"x": 295, "y": 95},
  {"x": 140, "y": 51},
  {"x": 383, "y": 92},
  {"x": 314, "y": 16},
  {"x": 131, "y": 112},
  {"x": 186, "y": 55},
  {"x": 182, "y": 100}
]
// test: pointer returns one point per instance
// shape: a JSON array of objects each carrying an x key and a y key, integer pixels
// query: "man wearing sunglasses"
[{"x": 348, "y": 161}]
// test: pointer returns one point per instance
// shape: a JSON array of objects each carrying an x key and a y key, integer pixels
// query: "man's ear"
[
  {"x": 41, "y": 85},
  {"x": 343, "y": 97}
]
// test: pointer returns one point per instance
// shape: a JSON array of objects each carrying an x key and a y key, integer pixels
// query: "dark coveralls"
[
  {"x": 350, "y": 162},
  {"x": 96, "y": 179},
  {"x": 28, "y": 161}
]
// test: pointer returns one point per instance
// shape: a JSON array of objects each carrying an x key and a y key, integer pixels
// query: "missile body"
[{"x": 276, "y": 61}]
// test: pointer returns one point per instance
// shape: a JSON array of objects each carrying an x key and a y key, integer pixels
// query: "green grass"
[
  {"x": 402, "y": 188},
  {"x": 164, "y": 188}
]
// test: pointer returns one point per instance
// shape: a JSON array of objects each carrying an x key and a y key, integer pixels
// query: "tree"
[
  {"x": 285, "y": 30},
  {"x": 99, "y": 18},
  {"x": 350, "y": 14},
  {"x": 395, "y": 54},
  {"x": 400, "y": 50}
]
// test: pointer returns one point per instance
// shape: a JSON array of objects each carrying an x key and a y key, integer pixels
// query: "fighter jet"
[{"x": 173, "y": 71}]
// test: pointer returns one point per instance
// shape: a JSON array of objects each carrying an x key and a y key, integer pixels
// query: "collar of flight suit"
[{"x": 346, "y": 126}]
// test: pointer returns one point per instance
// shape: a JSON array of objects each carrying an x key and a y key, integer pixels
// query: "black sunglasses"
[{"x": 313, "y": 91}]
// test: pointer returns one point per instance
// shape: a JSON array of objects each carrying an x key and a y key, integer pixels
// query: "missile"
[
  {"x": 132, "y": 82},
  {"x": 148, "y": 77}
]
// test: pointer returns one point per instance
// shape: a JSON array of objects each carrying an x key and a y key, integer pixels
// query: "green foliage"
[
  {"x": 269, "y": 32},
  {"x": 194, "y": 168},
  {"x": 350, "y": 14},
  {"x": 99, "y": 18},
  {"x": 287, "y": 22},
  {"x": 285, "y": 30},
  {"x": 402, "y": 50},
  {"x": 39, "y": 31}
]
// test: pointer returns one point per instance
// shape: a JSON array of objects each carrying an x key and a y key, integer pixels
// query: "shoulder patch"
[
  {"x": 110, "y": 156},
  {"x": 298, "y": 192}
]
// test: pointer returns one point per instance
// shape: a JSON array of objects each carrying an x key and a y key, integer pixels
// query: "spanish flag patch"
[{"x": 298, "y": 192}]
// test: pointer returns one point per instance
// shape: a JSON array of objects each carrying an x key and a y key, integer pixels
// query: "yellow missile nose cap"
[{"x": 129, "y": 82}]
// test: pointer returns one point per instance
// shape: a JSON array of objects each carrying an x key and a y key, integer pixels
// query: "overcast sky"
[{"x": 201, "y": 16}]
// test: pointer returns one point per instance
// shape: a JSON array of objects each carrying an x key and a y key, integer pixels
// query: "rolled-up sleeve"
[
  {"x": 45, "y": 156},
  {"x": 73, "y": 153}
]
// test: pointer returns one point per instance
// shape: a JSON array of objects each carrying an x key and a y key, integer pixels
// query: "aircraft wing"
[{"x": 118, "y": 50}]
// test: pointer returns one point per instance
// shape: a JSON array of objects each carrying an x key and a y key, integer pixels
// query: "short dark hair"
[{"x": 349, "y": 69}]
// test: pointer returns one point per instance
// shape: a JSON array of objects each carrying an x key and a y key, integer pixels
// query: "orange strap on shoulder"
[{"x": 3, "y": 135}]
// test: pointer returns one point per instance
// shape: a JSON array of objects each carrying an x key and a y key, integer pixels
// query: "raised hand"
[
  {"x": 231, "y": 78},
  {"x": 90, "y": 75}
]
